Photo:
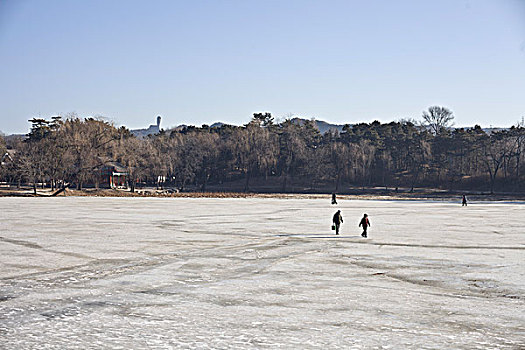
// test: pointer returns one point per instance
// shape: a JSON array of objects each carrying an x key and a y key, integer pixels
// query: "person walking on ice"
[
  {"x": 337, "y": 220},
  {"x": 334, "y": 200},
  {"x": 365, "y": 223},
  {"x": 464, "y": 201}
]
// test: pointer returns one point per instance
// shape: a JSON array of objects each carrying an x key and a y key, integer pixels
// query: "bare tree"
[
  {"x": 496, "y": 148},
  {"x": 335, "y": 156},
  {"x": 31, "y": 158},
  {"x": 252, "y": 150},
  {"x": 3, "y": 146},
  {"x": 365, "y": 153},
  {"x": 293, "y": 150},
  {"x": 210, "y": 150},
  {"x": 517, "y": 134},
  {"x": 87, "y": 142},
  {"x": 133, "y": 153},
  {"x": 438, "y": 119}
]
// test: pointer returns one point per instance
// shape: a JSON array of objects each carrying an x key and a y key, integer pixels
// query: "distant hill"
[
  {"x": 13, "y": 137},
  {"x": 325, "y": 126},
  {"x": 322, "y": 126}
]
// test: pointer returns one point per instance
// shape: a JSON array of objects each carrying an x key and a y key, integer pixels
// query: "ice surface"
[{"x": 152, "y": 273}]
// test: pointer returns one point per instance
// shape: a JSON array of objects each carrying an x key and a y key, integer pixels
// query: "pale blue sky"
[{"x": 198, "y": 62}]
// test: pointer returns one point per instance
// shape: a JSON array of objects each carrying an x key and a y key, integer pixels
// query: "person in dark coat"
[
  {"x": 337, "y": 220},
  {"x": 334, "y": 201},
  {"x": 464, "y": 201},
  {"x": 365, "y": 223}
]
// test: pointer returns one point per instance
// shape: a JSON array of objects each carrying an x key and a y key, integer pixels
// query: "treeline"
[{"x": 396, "y": 154}]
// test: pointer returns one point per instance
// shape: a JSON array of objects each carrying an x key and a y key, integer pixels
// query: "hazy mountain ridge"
[{"x": 321, "y": 125}]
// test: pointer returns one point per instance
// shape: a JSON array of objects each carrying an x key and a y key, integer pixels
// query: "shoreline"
[{"x": 364, "y": 195}]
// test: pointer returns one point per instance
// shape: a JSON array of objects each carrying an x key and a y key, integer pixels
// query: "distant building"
[
  {"x": 152, "y": 129},
  {"x": 113, "y": 175}
]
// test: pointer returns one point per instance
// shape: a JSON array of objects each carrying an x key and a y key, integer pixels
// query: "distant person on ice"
[
  {"x": 334, "y": 201},
  {"x": 365, "y": 223},
  {"x": 337, "y": 220},
  {"x": 464, "y": 201}
]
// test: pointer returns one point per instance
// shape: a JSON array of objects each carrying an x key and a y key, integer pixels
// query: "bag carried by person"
[{"x": 333, "y": 226}]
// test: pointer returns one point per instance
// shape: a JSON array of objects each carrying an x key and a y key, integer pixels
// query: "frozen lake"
[{"x": 162, "y": 273}]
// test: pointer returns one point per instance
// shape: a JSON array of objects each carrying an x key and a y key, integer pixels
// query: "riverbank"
[{"x": 374, "y": 194}]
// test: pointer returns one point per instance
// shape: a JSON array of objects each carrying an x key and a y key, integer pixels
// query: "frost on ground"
[{"x": 152, "y": 273}]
